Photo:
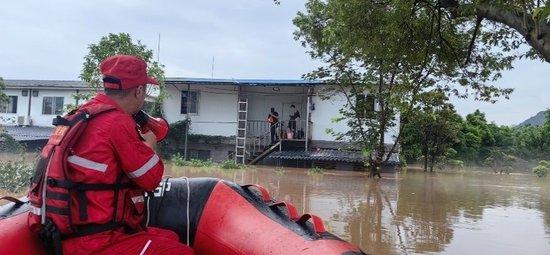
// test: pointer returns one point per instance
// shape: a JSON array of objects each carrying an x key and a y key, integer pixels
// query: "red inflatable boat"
[{"x": 220, "y": 217}]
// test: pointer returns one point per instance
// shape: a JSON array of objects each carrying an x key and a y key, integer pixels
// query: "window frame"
[
  {"x": 368, "y": 102},
  {"x": 197, "y": 102},
  {"x": 53, "y": 106}
]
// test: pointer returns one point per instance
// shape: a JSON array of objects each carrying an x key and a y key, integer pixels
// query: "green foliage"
[
  {"x": 431, "y": 131},
  {"x": 114, "y": 44},
  {"x": 279, "y": 171},
  {"x": 481, "y": 143},
  {"x": 3, "y": 97},
  {"x": 230, "y": 164},
  {"x": 178, "y": 160},
  {"x": 14, "y": 175},
  {"x": 315, "y": 171},
  {"x": 394, "y": 51},
  {"x": 10, "y": 145},
  {"x": 542, "y": 169}
]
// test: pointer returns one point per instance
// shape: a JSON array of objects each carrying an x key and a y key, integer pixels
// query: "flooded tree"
[
  {"x": 393, "y": 52},
  {"x": 431, "y": 130}
]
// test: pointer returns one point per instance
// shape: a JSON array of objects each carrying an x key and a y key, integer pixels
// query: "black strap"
[
  {"x": 57, "y": 210},
  {"x": 57, "y": 195},
  {"x": 51, "y": 238},
  {"x": 58, "y": 120},
  {"x": 91, "y": 229},
  {"x": 87, "y": 186},
  {"x": 82, "y": 204},
  {"x": 113, "y": 80}
]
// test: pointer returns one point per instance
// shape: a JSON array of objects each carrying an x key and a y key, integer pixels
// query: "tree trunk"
[
  {"x": 432, "y": 162},
  {"x": 375, "y": 167}
]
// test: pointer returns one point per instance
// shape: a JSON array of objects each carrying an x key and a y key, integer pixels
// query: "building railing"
[{"x": 259, "y": 137}]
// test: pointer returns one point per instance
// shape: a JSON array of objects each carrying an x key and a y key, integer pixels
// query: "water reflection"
[{"x": 410, "y": 213}]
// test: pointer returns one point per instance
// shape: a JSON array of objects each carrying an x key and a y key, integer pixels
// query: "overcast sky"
[{"x": 247, "y": 38}]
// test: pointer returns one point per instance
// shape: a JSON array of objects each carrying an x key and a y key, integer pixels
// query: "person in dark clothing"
[
  {"x": 273, "y": 119},
  {"x": 295, "y": 115}
]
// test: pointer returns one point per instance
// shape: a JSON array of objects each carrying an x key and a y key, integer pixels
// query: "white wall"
[
  {"x": 326, "y": 110},
  {"x": 217, "y": 111},
  {"x": 38, "y": 119}
]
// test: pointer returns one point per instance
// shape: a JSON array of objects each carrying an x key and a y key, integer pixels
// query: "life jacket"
[{"x": 51, "y": 192}]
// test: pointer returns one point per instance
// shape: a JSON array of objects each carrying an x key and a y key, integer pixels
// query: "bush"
[
  {"x": 178, "y": 160},
  {"x": 15, "y": 175},
  {"x": 542, "y": 169},
  {"x": 230, "y": 164},
  {"x": 10, "y": 145},
  {"x": 315, "y": 171},
  {"x": 200, "y": 163}
]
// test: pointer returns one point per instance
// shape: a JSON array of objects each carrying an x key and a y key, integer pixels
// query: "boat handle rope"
[
  {"x": 12, "y": 199},
  {"x": 292, "y": 212},
  {"x": 187, "y": 214},
  {"x": 263, "y": 191},
  {"x": 318, "y": 225}
]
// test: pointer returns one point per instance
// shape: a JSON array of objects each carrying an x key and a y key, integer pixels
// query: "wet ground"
[{"x": 414, "y": 212}]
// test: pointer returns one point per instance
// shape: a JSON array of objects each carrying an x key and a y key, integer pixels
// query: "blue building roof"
[{"x": 244, "y": 82}]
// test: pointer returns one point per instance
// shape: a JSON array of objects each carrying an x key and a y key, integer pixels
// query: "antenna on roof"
[
  {"x": 158, "y": 49},
  {"x": 212, "y": 73}
]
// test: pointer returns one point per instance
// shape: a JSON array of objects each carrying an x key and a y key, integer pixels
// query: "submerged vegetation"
[
  {"x": 178, "y": 160},
  {"x": 542, "y": 169},
  {"x": 315, "y": 171}
]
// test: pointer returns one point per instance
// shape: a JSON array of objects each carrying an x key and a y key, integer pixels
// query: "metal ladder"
[{"x": 240, "y": 144}]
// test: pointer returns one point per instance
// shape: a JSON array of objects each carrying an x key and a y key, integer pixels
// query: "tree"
[
  {"x": 3, "y": 97},
  {"x": 113, "y": 44},
  {"x": 510, "y": 22},
  {"x": 432, "y": 130},
  {"x": 394, "y": 51}
]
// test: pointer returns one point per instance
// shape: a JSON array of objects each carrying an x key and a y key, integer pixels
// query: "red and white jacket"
[{"x": 110, "y": 151}]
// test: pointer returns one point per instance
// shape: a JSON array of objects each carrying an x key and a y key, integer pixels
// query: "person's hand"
[{"x": 150, "y": 139}]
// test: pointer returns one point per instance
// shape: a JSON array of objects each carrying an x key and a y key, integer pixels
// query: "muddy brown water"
[{"x": 413, "y": 212}]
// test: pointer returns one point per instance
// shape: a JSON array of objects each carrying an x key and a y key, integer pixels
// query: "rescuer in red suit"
[{"x": 111, "y": 150}]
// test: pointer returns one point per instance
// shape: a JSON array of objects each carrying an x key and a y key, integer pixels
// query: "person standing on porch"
[
  {"x": 295, "y": 115},
  {"x": 273, "y": 119}
]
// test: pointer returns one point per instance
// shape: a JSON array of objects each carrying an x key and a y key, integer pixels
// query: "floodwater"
[{"x": 415, "y": 212}]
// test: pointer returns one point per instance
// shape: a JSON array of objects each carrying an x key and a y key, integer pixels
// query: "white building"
[{"x": 233, "y": 108}]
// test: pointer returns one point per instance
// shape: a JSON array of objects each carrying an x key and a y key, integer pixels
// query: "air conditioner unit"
[{"x": 24, "y": 120}]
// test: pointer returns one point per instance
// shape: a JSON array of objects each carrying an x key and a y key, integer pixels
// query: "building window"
[
  {"x": 52, "y": 105},
  {"x": 10, "y": 106},
  {"x": 189, "y": 102},
  {"x": 364, "y": 105}
]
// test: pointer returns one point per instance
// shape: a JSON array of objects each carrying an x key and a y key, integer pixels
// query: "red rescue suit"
[{"x": 110, "y": 151}]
